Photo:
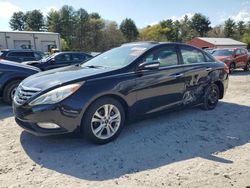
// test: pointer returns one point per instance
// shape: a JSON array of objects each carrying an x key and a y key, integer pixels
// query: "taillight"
[{"x": 226, "y": 68}]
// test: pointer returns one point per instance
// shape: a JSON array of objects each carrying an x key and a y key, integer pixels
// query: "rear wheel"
[
  {"x": 103, "y": 120},
  {"x": 247, "y": 67},
  {"x": 211, "y": 97},
  {"x": 9, "y": 91}
]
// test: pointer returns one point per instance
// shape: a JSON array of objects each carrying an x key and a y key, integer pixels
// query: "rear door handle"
[
  {"x": 177, "y": 75},
  {"x": 208, "y": 69}
]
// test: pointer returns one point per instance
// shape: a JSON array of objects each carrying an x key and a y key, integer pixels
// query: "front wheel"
[
  {"x": 103, "y": 120},
  {"x": 9, "y": 91},
  {"x": 211, "y": 97}
]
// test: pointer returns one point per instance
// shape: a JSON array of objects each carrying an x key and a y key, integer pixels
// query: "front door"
[{"x": 160, "y": 88}]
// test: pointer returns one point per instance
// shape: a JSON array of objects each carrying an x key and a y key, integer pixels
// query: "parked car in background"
[
  {"x": 233, "y": 57},
  {"x": 60, "y": 59},
  {"x": 11, "y": 74},
  {"x": 209, "y": 50},
  {"x": 21, "y": 55},
  {"x": 135, "y": 79}
]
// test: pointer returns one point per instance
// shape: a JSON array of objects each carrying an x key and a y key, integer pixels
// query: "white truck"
[{"x": 40, "y": 41}]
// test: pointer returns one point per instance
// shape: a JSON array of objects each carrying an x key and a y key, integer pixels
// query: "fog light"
[{"x": 48, "y": 125}]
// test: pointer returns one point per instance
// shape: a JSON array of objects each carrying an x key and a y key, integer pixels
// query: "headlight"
[{"x": 56, "y": 95}]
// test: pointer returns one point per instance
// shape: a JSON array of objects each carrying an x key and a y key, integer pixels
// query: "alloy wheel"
[{"x": 106, "y": 121}]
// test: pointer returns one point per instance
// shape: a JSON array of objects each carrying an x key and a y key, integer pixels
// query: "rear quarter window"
[{"x": 191, "y": 55}]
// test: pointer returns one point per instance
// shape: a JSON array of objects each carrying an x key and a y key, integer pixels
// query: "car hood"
[
  {"x": 19, "y": 65},
  {"x": 56, "y": 77}
]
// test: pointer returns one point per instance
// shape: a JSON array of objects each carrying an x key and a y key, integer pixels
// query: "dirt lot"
[{"x": 188, "y": 148}]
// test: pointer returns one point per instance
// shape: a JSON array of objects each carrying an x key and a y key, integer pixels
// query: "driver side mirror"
[
  {"x": 52, "y": 60},
  {"x": 149, "y": 65}
]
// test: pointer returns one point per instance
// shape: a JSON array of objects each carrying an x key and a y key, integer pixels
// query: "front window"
[
  {"x": 117, "y": 57},
  {"x": 223, "y": 53}
]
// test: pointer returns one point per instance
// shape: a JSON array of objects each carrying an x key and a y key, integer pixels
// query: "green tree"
[
  {"x": 200, "y": 24},
  {"x": 111, "y": 36},
  {"x": 95, "y": 15},
  {"x": 34, "y": 20},
  {"x": 229, "y": 28},
  {"x": 82, "y": 28},
  {"x": 54, "y": 22},
  {"x": 185, "y": 29},
  {"x": 17, "y": 21},
  {"x": 129, "y": 29},
  {"x": 240, "y": 30},
  {"x": 154, "y": 33},
  {"x": 216, "y": 31},
  {"x": 67, "y": 20}
]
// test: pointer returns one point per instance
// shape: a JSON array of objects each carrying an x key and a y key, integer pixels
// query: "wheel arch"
[
  {"x": 111, "y": 95},
  {"x": 6, "y": 82},
  {"x": 221, "y": 88}
]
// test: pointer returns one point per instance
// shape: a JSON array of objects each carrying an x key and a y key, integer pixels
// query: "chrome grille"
[{"x": 23, "y": 94}]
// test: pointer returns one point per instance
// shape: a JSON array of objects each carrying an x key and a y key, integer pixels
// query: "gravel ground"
[{"x": 187, "y": 148}]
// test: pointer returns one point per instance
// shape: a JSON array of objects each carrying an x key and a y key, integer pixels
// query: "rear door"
[
  {"x": 160, "y": 88},
  {"x": 197, "y": 67}
]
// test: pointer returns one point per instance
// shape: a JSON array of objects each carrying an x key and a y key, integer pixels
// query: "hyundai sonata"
[{"x": 96, "y": 98}]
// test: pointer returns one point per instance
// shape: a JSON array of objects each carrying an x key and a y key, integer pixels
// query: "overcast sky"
[{"x": 143, "y": 12}]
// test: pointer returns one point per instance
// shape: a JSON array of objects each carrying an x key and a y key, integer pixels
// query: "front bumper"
[{"x": 28, "y": 117}]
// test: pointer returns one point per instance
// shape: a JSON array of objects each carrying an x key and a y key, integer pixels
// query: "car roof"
[{"x": 15, "y": 50}]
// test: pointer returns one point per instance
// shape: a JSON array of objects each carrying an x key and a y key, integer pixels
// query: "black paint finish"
[{"x": 139, "y": 91}]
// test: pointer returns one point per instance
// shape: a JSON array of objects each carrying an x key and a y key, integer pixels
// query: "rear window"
[
  {"x": 1, "y": 53},
  {"x": 21, "y": 54}
]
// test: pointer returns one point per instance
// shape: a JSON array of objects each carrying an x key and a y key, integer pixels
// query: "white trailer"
[{"x": 40, "y": 41}]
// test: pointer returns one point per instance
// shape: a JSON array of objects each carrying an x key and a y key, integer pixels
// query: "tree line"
[{"x": 85, "y": 31}]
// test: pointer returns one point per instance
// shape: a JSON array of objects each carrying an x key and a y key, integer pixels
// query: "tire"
[
  {"x": 100, "y": 128},
  {"x": 231, "y": 68},
  {"x": 9, "y": 91},
  {"x": 247, "y": 67},
  {"x": 211, "y": 97}
]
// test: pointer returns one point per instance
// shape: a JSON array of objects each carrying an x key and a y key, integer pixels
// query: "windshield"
[
  {"x": 117, "y": 57},
  {"x": 223, "y": 53}
]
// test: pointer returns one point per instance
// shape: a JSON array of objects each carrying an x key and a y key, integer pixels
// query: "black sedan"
[
  {"x": 11, "y": 74},
  {"x": 132, "y": 80},
  {"x": 60, "y": 59}
]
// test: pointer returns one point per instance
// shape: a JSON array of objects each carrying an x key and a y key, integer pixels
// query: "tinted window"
[
  {"x": 191, "y": 55},
  {"x": 78, "y": 57},
  {"x": 37, "y": 55},
  {"x": 21, "y": 54},
  {"x": 167, "y": 56},
  {"x": 63, "y": 57},
  {"x": 209, "y": 58}
]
